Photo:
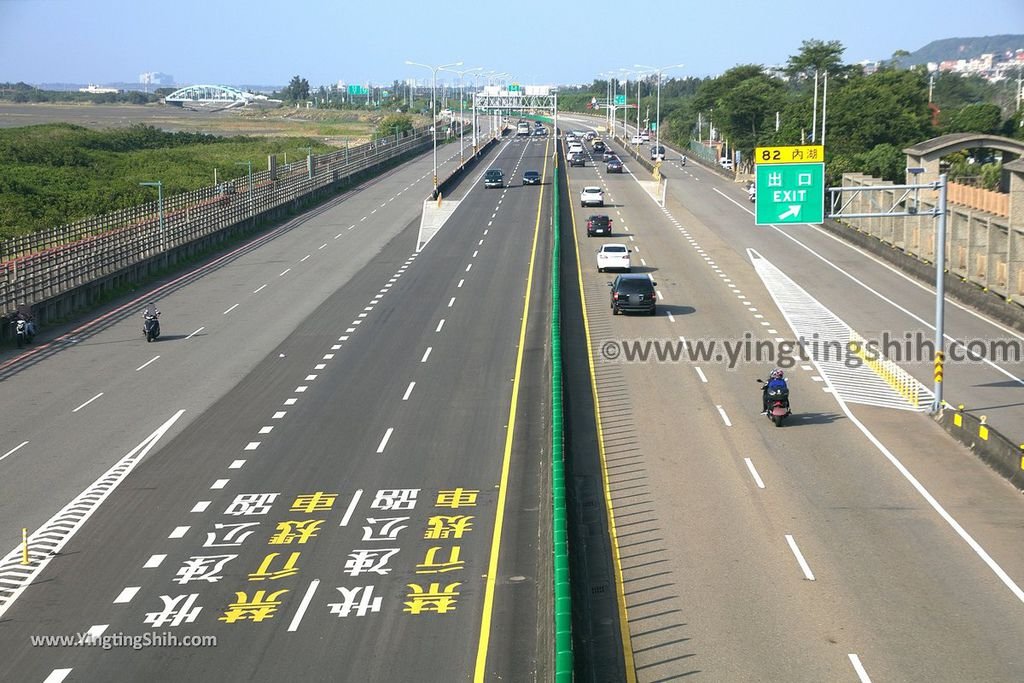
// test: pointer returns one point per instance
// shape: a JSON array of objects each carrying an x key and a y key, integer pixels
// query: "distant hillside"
[{"x": 963, "y": 48}]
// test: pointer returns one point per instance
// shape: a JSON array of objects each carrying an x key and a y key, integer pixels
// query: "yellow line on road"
[
  {"x": 492, "y": 565},
  {"x": 620, "y": 595}
]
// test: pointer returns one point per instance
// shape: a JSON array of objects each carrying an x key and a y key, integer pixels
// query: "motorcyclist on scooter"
[
  {"x": 776, "y": 381},
  {"x": 30, "y": 324}
]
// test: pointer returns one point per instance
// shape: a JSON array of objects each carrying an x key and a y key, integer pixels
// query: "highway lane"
[
  {"x": 875, "y": 298},
  {"x": 90, "y": 391},
  {"x": 713, "y": 580},
  {"x": 405, "y": 403}
]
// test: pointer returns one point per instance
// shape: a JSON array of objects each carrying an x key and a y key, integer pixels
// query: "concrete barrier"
[
  {"x": 1000, "y": 453},
  {"x": 444, "y": 186}
]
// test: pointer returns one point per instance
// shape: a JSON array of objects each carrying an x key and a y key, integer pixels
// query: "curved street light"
[
  {"x": 433, "y": 103},
  {"x": 657, "y": 129},
  {"x": 462, "y": 99}
]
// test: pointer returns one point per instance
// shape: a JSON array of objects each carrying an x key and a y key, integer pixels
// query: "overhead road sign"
[
  {"x": 792, "y": 154},
  {"x": 790, "y": 193}
]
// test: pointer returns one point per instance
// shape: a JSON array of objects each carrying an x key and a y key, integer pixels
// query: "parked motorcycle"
[
  {"x": 752, "y": 193},
  {"x": 24, "y": 331},
  {"x": 778, "y": 403},
  {"x": 151, "y": 326}
]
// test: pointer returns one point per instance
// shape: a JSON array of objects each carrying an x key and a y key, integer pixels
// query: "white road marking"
[
  {"x": 671, "y": 317},
  {"x": 468, "y": 267},
  {"x": 642, "y": 262},
  {"x": 154, "y": 561},
  {"x": 126, "y": 595},
  {"x": 862, "y": 673},
  {"x": 480, "y": 243},
  {"x": 252, "y": 445},
  {"x": 195, "y": 333},
  {"x": 13, "y": 449},
  {"x": 146, "y": 363},
  {"x": 290, "y": 401},
  {"x": 230, "y": 309},
  {"x": 300, "y": 389},
  {"x": 475, "y": 253},
  {"x": 258, "y": 289},
  {"x": 485, "y": 232},
  {"x": 426, "y": 354},
  {"x": 304, "y": 258},
  {"x": 440, "y": 325},
  {"x": 219, "y": 484},
  {"x": 179, "y": 532},
  {"x": 725, "y": 418},
  {"x": 804, "y": 567},
  {"x": 299, "y": 613},
  {"x": 408, "y": 391},
  {"x": 309, "y": 378},
  {"x": 452, "y": 302},
  {"x": 96, "y": 631},
  {"x": 236, "y": 464},
  {"x": 57, "y": 675},
  {"x": 201, "y": 506},
  {"x": 349, "y": 331},
  {"x": 266, "y": 430},
  {"x": 700, "y": 373},
  {"x": 660, "y": 296},
  {"x": 351, "y": 507},
  {"x": 460, "y": 283},
  {"x": 81, "y": 406},
  {"x": 320, "y": 366},
  {"x": 384, "y": 441},
  {"x": 753, "y": 473},
  {"x": 284, "y": 272}
]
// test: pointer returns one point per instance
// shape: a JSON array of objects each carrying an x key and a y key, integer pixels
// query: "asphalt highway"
[
  {"x": 857, "y": 542},
  {"x": 355, "y": 489}
]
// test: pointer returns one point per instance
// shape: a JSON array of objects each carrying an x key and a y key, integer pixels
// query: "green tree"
[
  {"x": 394, "y": 124},
  {"x": 975, "y": 118},
  {"x": 816, "y": 55},
  {"x": 298, "y": 89},
  {"x": 885, "y": 161}
]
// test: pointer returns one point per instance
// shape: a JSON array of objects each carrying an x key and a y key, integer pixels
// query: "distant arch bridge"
[
  {"x": 928, "y": 155},
  {"x": 217, "y": 97}
]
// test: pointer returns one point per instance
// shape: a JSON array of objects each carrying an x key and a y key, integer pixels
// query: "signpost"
[
  {"x": 790, "y": 185},
  {"x": 620, "y": 100}
]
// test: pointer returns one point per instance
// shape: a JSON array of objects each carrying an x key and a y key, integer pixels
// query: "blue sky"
[{"x": 266, "y": 43}]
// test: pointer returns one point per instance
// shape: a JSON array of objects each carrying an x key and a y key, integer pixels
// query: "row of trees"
[{"x": 870, "y": 117}]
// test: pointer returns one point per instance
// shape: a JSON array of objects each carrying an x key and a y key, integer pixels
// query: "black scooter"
[{"x": 151, "y": 328}]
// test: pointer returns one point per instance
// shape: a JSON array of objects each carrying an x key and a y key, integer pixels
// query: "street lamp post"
[
  {"x": 159, "y": 185},
  {"x": 248, "y": 194},
  {"x": 657, "y": 116},
  {"x": 433, "y": 104},
  {"x": 462, "y": 113},
  {"x": 309, "y": 161}
]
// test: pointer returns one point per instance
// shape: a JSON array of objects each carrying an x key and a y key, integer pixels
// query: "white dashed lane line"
[
  {"x": 426, "y": 354},
  {"x": 385, "y": 439},
  {"x": 440, "y": 325},
  {"x": 73, "y": 411},
  {"x": 230, "y": 309},
  {"x": 804, "y": 567},
  {"x": 146, "y": 363},
  {"x": 753, "y": 473},
  {"x": 408, "y": 392},
  {"x": 126, "y": 595}
]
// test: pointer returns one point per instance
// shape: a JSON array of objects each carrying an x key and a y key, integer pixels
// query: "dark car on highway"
[
  {"x": 531, "y": 178},
  {"x": 599, "y": 224},
  {"x": 608, "y": 154},
  {"x": 577, "y": 159},
  {"x": 613, "y": 165},
  {"x": 599, "y": 146},
  {"x": 633, "y": 292}
]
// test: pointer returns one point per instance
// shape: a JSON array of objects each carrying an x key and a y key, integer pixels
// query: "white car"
[
  {"x": 726, "y": 163},
  {"x": 636, "y": 140},
  {"x": 592, "y": 196},
  {"x": 645, "y": 136},
  {"x": 614, "y": 256}
]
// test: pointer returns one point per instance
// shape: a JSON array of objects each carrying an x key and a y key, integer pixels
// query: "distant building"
[
  {"x": 98, "y": 90},
  {"x": 156, "y": 78}
]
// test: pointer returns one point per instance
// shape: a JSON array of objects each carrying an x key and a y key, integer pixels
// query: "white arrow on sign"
[{"x": 794, "y": 211}]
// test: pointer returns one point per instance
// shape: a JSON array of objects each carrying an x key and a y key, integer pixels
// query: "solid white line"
[
  {"x": 725, "y": 418},
  {"x": 13, "y": 449},
  {"x": 753, "y": 473},
  {"x": 257, "y": 290},
  {"x": 230, "y": 309},
  {"x": 440, "y": 325},
  {"x": 146, "y": 363},
  {"x": 700, "y": 373},
  {"x": 195, "y": 333},
  {"x": 303, "y": 605},
  {"x": 57, "y": 675},
  {"x": 83, "y": 405},
  {"x": 800, "y": 558},
  {"x": 384, "y": 441},
  {"x": 126, "y": 595},
  {"x": 351, "y": 507},
  {"x": 862, "y": 673},
  {"x": 408, "y": 391},
  {"x": 426, "y": 354}
]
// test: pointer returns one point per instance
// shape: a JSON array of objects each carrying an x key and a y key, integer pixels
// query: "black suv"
[
  {"x": 633, "y": 292},
  {"x": 577, "y": 159},
  {"x": 599, "y": 225}
]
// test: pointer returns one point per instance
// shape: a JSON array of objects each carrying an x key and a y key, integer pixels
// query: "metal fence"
[{"x": 46, "y": 264}]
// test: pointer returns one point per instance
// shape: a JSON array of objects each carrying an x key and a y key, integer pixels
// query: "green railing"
[{"x": 559, "y": 530}]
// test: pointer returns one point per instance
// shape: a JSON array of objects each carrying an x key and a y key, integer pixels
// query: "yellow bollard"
[
  {"x": 983, "y": 428},
  {"x": 24, "y": 545}
]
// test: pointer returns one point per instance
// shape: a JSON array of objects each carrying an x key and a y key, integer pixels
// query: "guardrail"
[
  {"x": 44, "y": 266},
  {"x": 559, "y": 521},
  {"x": 1003, "y": 455}
]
